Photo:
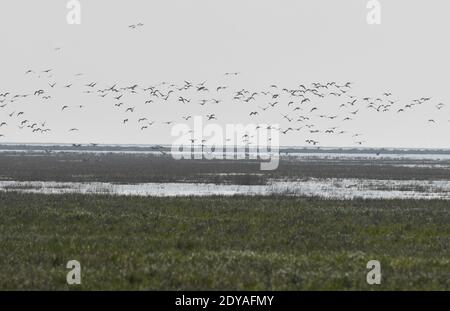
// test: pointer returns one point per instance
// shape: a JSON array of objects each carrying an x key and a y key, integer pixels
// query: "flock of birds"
[{"x": 296, "y": 109}]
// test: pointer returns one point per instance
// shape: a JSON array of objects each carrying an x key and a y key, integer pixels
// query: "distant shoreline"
[{"x": 150, "y": 147}]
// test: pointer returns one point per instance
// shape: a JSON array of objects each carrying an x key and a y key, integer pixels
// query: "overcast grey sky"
[{"x": 269, "y": 42}]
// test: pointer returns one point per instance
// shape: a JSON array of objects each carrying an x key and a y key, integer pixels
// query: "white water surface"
[{"x": 331, "y": 188}]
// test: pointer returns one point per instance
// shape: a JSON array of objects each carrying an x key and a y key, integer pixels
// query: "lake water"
[
  {"x": 291, "y": 155},
  {"x": 331, "y": 188}
]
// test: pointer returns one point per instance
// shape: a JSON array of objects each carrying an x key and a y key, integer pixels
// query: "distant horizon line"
[{"x": 169, "y": 146}]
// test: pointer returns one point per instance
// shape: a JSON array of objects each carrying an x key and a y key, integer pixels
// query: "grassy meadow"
[{"x": 217, "y": 243}]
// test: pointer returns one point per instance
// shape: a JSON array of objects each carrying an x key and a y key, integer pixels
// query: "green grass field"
[{"x": 238, "y": 243}]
